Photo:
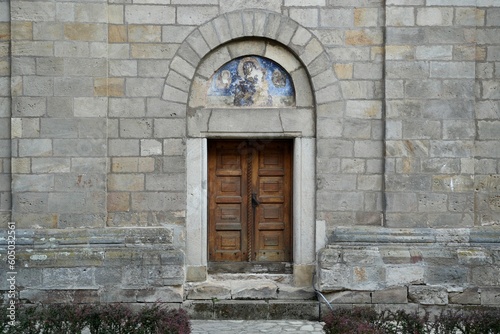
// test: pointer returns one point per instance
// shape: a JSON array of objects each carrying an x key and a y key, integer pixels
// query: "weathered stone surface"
[
  {"x": 400, "y": 100},
  {"x": 293, "y": 310},
  {"x": 209, "y": 292},
  {"x": 398, "y": 295},
  {"x": 256, "y": 290},
  {"x": 239, "y": 309},
  {"x": 467, "y": 297},
  {"x": 428, "y": 295}
]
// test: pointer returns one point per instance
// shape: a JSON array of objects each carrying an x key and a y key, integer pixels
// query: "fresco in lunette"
[{"x": 251, "y": 82}]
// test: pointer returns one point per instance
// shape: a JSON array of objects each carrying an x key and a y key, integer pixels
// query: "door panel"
[
  {"x": 272, "y": 218},
  {"x": 227, "y": 203},
  {"x": 250, "y": 201}
]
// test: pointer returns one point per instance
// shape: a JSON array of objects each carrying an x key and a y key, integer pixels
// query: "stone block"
[
  {"x": 73, "y": 86},
  {"x": 127, "y": 107},
  {"x": 403, "y": 275},
  {"x": 152, "y": 50},
  {"x": 88, "y": 165},
  {"x": 68, "y": 278},
  {"x": 241, "y": 310},
  {"x": 158, "y": 201},
  {"x": 126, "y": 182},
  {"x": 89, "y": 32},
  {"x": 124, "y": 147},
  {"x": 165, "y": 294},
  {"x": 173, "y": 94},
  {"x": 174, "y": 164},
  {"x": 364, "y": 37},
  {"x": 35, "y": 147},
  {"x": 256, "y": 290},
  {"x": 148, "y": 14},
  {"x": 232, "y": 5},
  {"x": 470, "y": 296},
  {"x": 173, "y": 147},
  {"x": 114, "y": 295},
  {"x": 358, "y": 89},
  {"x": 451, "y": 274},
  {"x": 434, "y": 16},
  {"x": 136, "y": 128},
  {"x": 396, "y": 295},
  {"x": 200, "y": 310},
  {"x": 485, "y": 276},
  {"x": 196, "y": 15},
  {"x": 144, "y": 33},
  {"x": 169, "y": 128},
  {"x": 400, "y": 16},
  {"x": 33, "y": 12},
  {"x": 407, "y": 70},
  {"x": 307, "y": 17},
  {"x": 90, "y": 106},
  {"x": 208, "y": 291},
  {"x": 79, "y": 147},
  {"x": 151, "y": 147},
  {"x": 118, "y": 201},
  {"x": 293, "y": 310},
  {"x": 28, "y": 106},
  {"x": 349, "y": 297},
  {"x": 176, "y": 34},
  {"x": 490, "y": 296},
  {"x": 287, "y": 292},
  {"x": 428, "y": 295},
  {"x": 21, "y": 31}
]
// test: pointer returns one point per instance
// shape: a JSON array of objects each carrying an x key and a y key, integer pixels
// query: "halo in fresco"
[{"x": 251, "y": 82}]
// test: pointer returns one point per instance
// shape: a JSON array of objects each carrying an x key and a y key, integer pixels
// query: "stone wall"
[
  {"x": 411, "y": 268},
  {"x": 102, "y": 129},
  {"x": 5, "y": 28}
]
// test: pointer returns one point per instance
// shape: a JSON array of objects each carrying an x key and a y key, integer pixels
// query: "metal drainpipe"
[{"x": 319, "y": 294}]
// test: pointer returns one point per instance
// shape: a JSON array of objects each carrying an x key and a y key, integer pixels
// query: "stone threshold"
[{"x": 248, "y": 287}]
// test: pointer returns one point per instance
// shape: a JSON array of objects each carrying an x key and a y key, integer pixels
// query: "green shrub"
[
  {"x": 367, "y": 321},
  {"x": 99, "y": 319}
]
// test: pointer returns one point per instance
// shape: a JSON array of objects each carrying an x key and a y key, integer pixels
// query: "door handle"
[{"x": 255, "y": 202}]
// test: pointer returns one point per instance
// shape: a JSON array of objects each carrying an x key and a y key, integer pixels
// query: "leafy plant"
[
  {"x": 367, "y": 321},
  {"x": 99, "y": 319}
]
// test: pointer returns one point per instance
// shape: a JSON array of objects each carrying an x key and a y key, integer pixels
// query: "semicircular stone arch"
[
  {"x": 299, "y": 52},
  {"x": 249, "y": 24}
]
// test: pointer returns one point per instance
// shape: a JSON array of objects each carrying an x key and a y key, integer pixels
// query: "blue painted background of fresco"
[{"x": 251, "y": 82}]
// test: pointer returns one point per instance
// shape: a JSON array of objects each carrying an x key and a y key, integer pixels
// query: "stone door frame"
[{"x": 303, "y": 208}]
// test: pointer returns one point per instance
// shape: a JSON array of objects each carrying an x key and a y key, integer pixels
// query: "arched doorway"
[{"x": 275, "y": 37}]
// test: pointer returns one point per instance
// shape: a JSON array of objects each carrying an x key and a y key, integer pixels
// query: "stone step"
[
  {"x": 253, "y": 309},
  {"x": 246, "y": 297}
]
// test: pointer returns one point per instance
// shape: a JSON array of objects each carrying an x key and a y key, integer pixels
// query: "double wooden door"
[{"x": 250, "y": 201}]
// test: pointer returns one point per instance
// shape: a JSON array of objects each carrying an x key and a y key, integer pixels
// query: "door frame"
[{"x": 304, "y": 199}]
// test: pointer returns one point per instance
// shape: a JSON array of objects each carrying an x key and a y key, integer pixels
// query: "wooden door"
[{"x": 250, "y": 197}]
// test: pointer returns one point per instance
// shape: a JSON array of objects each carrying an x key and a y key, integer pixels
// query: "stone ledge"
[
  {"x": 140, "y": 236},
  {"x": 382, "y": 235}
]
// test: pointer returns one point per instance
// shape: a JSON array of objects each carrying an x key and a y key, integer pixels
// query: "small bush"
[
  {"x": 99, "y": 319},
  {"x": 367, "y": 321},
  {"x": 352, "y": 321}
]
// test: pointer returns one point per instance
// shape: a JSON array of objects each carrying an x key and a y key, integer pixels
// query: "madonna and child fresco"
[{"x": 251, "y": 82}]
